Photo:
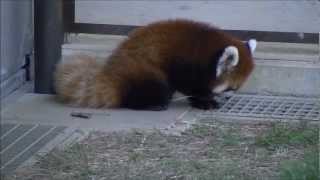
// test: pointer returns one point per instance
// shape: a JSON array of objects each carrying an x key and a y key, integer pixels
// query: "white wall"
[
  {"x": 264, "y": 15},
  {"x": 16, "y": 41}
]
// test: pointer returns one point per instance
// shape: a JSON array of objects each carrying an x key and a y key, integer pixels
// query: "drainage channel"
[
  {"x": 265, "y": 107},
  {"x": 21, "y": 142}
]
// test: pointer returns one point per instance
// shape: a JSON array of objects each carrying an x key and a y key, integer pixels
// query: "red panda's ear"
[
  {"x": 228, "y": 60},
  {"x": 252, "y": 44}
]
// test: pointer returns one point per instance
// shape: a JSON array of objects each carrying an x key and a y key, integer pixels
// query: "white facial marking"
[
  {"x": 219, "y": 72},
  {"x": 232, "y": 51},
  {"x": 220, "y": 88},
  {"x": 231, "y": 54},
  {"x": 252, "y": 45}
]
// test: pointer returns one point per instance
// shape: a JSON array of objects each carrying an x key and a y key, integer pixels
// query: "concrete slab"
[
  {"x": 45, "y": 110},
  {"x": 290, "y": 79}
]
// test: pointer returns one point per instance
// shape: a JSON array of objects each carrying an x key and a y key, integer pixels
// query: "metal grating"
[
  {"x": 272, "y": 107},
  {"x": 19, "y": 142}
]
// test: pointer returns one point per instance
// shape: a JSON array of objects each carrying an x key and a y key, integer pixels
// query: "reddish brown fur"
[
  {"x": 147, "y": 53},
  {"x": 159, "y": 42}
]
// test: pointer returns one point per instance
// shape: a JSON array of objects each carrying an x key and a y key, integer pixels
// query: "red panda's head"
[{"x": 234, "y": 66}]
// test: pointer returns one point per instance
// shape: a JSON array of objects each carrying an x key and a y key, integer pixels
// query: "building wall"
[
  {"x": 16, "y": 41},
  {"x": 263, "y": 15}
]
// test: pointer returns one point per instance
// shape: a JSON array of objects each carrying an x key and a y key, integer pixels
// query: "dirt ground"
[{"x": 215, "y": 150}]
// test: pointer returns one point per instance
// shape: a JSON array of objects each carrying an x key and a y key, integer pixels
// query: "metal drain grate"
[{"x": 273, "y": 107}]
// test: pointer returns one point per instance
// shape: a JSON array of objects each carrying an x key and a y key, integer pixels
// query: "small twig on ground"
[{"x": 81, "y": 115}]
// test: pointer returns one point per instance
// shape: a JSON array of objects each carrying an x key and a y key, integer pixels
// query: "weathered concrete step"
[{"x": 282, "y": 68}]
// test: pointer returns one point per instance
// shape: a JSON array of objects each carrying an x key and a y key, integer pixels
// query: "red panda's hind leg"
[{"x": 147, "y": 94}]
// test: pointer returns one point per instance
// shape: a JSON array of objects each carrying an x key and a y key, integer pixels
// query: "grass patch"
[
  {"x": 306, "y": 168},
  {"x": 282, "y": 134},
  {"x": 289, "y": 137},
  {"x": 221, "y": 151}
]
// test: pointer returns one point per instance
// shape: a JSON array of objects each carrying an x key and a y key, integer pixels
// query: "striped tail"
[{"x": 79, "y": 81}]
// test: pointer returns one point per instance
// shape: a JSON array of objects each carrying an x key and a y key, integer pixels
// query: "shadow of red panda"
[{"x": 155, "y": 61}]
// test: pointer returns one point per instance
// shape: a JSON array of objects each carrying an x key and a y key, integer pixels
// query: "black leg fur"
[
  {"x": 203, "y": 103},
  {"x": 194, "y": 79},
  {"x": 149, "y": 94}
]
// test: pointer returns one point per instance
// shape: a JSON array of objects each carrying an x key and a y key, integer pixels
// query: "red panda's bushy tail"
[{"x": 79, "y": 81}]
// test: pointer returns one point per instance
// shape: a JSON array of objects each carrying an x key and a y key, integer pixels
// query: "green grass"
[
  {"x": 294, "y": 137},
  {"x": 285, "y": 135},
  {"x": 73, "y": 162},
  {"x": 217, "y": 151},
  {"x": 200, "y": 131},
  {"x": 227, "y": 136},
  {"x": 305, "y": 169}
]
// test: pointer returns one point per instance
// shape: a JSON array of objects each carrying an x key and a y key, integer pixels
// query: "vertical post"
[
  {"x": 68, "y": 17},
  {"x": 68, "y": 14},
  {"x": 48, "y": 20}
]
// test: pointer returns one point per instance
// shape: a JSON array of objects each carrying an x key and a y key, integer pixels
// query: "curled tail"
[{"x": 80, "y": 81}]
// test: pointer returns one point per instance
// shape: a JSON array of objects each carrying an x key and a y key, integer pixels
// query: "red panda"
[{"x": 155, "y": 61}]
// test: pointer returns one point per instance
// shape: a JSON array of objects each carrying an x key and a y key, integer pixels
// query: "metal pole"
[{"x": 48, "y": 20}]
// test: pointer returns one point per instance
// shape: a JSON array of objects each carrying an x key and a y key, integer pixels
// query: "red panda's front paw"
[
  {"x": 204, "y": 104},
  {"x": 157, "y": 108}
]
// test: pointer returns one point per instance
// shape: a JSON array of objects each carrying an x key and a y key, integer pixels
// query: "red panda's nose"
[{"x": 232, "y": 88}]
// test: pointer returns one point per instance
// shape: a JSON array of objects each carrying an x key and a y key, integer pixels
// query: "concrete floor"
[{"x": 44, "y": 109}]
